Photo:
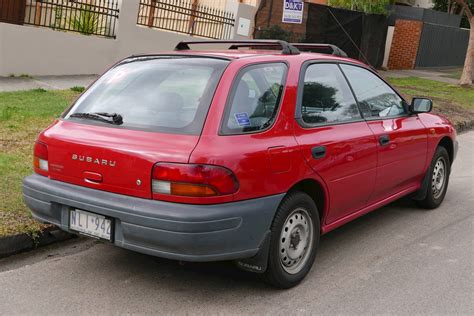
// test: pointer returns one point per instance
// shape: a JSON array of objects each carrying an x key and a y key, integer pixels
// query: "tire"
[
  {"x": 439, "y": 171},
  {"x": 294, "y": 241}
]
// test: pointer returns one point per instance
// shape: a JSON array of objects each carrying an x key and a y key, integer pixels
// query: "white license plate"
[{"x": 90, "y": 224}]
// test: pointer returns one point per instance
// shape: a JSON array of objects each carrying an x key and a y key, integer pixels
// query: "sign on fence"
[{"x": 293, "y": 11}]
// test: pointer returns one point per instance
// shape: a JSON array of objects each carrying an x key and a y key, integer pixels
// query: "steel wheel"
[
  {"x": 438, "y": 179},
  {"x": 296, "y": 240}
]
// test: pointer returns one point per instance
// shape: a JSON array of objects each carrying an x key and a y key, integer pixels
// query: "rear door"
[
  {"x": 401, "y": 138},
  {"x": 335, "y": 140}
]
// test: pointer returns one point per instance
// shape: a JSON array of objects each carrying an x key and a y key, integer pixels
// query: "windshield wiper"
[{"x": 101, "y": 116}]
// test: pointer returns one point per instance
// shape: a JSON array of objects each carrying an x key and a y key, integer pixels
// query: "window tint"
[
  {"x": 376, "y": 98},
  {"x": 255, "y": 98},
  {"x": 164, "y": 94},
  {"x": 327, "y": 97}
]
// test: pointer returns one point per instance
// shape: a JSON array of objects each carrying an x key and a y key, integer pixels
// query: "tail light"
[
  {"x": 193, "y": 180},
  {"x": 40, "y": 159}
]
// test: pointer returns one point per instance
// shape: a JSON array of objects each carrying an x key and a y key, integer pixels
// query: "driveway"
[{"x": 399, "y": 260}]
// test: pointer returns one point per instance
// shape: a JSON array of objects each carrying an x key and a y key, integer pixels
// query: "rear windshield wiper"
[{"x": 101, "y": 116}]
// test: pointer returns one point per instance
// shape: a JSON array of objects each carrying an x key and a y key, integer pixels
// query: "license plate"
[{"x": 90, "y": 224}]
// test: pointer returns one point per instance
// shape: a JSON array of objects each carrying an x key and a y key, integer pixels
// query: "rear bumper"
[{"x": 170, "y": 230}]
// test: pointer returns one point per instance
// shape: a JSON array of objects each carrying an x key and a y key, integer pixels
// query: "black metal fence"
[
  {"x": 186, "y": 16},
  {"x": 362, "y": 36},
  {"x": 88, "y": 17},
  {"x": 442, "y": 46}
]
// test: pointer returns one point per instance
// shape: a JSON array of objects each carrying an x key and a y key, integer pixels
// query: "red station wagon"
[{"x": 247, "y": 154}]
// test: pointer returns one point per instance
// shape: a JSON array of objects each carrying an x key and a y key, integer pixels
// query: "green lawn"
[
  {"x": 454, "y": 101},
  {"x": 22, "y": 116}
]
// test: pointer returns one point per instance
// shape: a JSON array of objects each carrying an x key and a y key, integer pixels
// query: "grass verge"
[
  {"x": 23, "y": 115},
  {"x": 453, "y": 101}
]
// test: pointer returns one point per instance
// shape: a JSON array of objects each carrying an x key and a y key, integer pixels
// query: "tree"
[
  {"x": 467, "y": 73},
  {"x": 452, "y": 7},
  {"x": 367, "y": 6}
]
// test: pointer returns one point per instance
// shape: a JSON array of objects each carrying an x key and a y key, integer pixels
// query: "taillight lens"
[
  {"x": 193, "y": 180},
  {"x": 40, "y": 159}
]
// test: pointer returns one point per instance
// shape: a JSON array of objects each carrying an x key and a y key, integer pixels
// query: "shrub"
[{"x": 78, "y": 89}]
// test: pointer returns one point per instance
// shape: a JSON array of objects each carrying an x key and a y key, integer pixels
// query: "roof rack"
[
  {"x": 320, "y": 48},
  {"x": 286, "y": 48},
  {"x": 304, "y": 47}
]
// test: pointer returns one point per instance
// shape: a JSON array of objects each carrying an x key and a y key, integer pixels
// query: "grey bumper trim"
[{"x": 177, "y": 231}]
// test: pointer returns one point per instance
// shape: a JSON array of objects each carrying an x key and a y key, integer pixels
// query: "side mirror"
[{"x": 421, "y": 105}]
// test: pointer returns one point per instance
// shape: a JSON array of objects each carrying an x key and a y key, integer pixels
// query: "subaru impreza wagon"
[{"x": 248, "y": 154}]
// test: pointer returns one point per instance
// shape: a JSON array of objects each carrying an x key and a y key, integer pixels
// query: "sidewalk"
[
  {"x": 45, "y": 82},
  {"x": 66, "y": 82},
  {"x": 436, "y": 75}
]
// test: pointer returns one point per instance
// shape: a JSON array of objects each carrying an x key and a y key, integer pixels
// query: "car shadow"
[{"x": 191, "y": 277}]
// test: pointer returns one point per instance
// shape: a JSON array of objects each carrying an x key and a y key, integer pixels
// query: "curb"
[{"x": 11, "y": 245}]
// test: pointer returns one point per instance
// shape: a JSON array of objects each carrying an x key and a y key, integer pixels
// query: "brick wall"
[
  {"x": 263, "y": 20},
  {"x": 406, "y": 39}
]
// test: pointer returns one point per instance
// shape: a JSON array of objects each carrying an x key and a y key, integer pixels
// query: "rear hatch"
[
  {"x": 114, "y": 160},
  {"x": 143, "y": 111}
]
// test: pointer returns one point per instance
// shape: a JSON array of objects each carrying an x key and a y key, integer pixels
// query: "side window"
[
  {"x": 255, "y": 98},
  {"x": 327, "y": 97},
  {"x": 375, "y": 97}
]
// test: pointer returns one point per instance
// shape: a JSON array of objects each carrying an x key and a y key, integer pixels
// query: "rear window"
[{"x": 163, "y": 94}]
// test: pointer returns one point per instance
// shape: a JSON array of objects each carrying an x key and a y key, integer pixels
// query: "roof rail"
[
  {"x": 320, "y": 48},
  {"x": 286, "y": 48},
  {"x": 303, "y": 47}
]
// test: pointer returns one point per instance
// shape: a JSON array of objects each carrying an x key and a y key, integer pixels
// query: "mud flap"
[
  {"x": 259, "y": 262},
  {"x": 421, "y": 193}
]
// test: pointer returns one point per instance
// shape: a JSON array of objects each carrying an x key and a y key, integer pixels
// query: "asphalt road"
[{"x": 398, "y": 260}]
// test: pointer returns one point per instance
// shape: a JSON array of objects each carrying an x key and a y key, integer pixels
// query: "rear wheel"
[
  {"x": 294, "y": 240},
  {"x": 438, "y": 173}
]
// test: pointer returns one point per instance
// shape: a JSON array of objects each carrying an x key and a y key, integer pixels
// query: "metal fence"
[
  {"x": 88, "y": 17},
  {"x": 186, "y": 16},
  {"x": 442, "y": 46}
]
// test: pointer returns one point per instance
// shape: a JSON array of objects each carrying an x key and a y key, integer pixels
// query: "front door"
[
  {"x": 335, "y": 140},
  {"x": 401, "y": 138}
]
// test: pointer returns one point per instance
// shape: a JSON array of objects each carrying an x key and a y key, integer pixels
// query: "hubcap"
[
  {"x": 439, "y": 177},
  {"x": 296, "y": 240}
]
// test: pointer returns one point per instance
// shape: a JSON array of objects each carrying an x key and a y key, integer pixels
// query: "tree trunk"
[{"x": 467, "y": 73}]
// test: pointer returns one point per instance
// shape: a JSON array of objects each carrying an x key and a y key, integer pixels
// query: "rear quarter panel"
[{"x": 267, "y": 162}]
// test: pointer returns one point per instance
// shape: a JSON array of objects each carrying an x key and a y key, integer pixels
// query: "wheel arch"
[
  {"x": 448, "y": 144},
  {"x": 317, "y": 192}
]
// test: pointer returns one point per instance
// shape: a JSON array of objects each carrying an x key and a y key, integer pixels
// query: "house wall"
[
  {"x": 426, "y": 4},
  {"x": 406, "y": 38},
  {"x": 271, "y": 13},
  {"x": 43, "y": 51}
]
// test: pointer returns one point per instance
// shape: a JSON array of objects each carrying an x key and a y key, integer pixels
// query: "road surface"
[{"x": 399, "y": 259}]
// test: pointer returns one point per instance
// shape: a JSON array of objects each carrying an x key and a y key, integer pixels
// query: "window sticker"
[{"x": 242, "y": 119}]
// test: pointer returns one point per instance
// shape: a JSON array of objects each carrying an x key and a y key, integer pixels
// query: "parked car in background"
[{"x": 246, "y": 154}]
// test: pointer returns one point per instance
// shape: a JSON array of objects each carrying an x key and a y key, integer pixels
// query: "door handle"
[
  {"x": 384, "y": 140},
  {"x": 318, "y": 152}
]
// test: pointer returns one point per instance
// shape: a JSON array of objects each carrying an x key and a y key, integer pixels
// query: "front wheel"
[
  {"x": 438, "y": 180},
  {"x": 295, "y": 236}
]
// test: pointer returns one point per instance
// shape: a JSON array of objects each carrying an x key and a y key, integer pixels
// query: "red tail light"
[
  {"x": 40, "y": 159},
  {"x": 193, "y": 180}
]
